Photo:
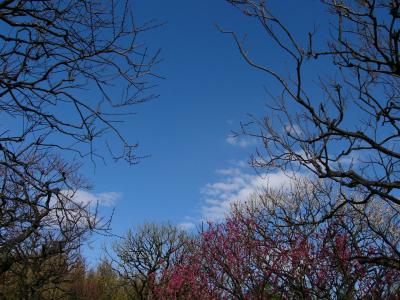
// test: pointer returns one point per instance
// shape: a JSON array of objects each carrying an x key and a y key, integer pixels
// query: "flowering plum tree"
[{"x": 255, "y": 254}]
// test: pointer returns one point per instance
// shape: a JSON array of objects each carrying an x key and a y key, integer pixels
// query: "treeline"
[{"x": 257, "y": 252}]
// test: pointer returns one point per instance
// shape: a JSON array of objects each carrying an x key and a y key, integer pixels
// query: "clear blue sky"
[{"x": 208, "y": 90}]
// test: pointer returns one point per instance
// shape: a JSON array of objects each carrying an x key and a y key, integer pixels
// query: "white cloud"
[
  {"x": 237, "y": 186},
  {"x": 241, "y": 141},
  {"x": 228, "y": 171},
  {"x": 85, "y": 197},
  {"x": 240, "y": 163}
]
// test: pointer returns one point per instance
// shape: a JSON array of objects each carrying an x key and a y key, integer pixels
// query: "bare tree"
[
  {"x": 70, "y": 70},
  {"x": 43, "y": 224},
  {"x": 143, "y": 257},
  {"x": 348, "y": 131}
]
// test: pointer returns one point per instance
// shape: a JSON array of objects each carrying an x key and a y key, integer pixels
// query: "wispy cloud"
[
  {"x": 241, "y": 141},
  {"x": 106, "y": 199},
  {"x": 237, "y": 185},
  {"x": 229, "y": 171}
]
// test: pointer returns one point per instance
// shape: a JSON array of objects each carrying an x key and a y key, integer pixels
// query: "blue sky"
[{"x": 193, "y": 165}]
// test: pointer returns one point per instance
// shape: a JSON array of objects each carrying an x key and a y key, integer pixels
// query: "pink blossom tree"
[{"x": 256, "y": 254}]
